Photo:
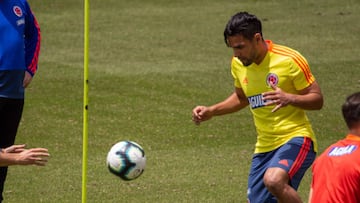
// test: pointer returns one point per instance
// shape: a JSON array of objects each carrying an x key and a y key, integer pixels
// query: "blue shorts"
[{"x": 295, "y": 157}]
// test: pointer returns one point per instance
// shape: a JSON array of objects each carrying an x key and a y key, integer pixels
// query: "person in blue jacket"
[{"x": 19, "y": 53}]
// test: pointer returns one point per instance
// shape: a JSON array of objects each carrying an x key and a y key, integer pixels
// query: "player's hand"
[
  {"x": 33, "y": 156},
  {"x": 278, "y": 97},
  {"x": 15, "y": 149},
  {"x": 27, "y": 79},
  {"x": 200, "y": 114}
]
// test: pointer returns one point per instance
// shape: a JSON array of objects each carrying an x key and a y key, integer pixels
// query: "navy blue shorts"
[{"x": 295, "y": 157}]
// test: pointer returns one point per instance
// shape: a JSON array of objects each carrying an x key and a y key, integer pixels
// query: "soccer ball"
[{"x": 126, "y": 159}]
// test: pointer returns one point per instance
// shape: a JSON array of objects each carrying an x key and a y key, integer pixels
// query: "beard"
[
  {"x": 249, "y": 60},
  {"x": 245, "y": 62}
]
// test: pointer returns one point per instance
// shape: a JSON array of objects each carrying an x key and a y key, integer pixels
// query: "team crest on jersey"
[
  {"x": 272, "y": 78},
  {"x": 17, "y": 10}
]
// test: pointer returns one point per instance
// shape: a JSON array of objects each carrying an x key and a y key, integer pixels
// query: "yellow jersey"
[{"x": 288, "y": 70}]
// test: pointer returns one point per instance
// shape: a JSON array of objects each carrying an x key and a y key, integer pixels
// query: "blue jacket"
[{"x": 19, "y": 44}]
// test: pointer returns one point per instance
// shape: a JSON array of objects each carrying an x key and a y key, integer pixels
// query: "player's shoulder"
[
  {"x": 290, "y": 54},
  {"x": 286, "y": 51}
]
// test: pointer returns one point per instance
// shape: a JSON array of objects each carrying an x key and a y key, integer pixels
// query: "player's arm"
[
  {"x": 32, "y": 45},
  {"x": 309, "y": 98},
  {"x": 233, "y": 103},
  {"x": 236, "y": 101},
  {"x": 310, "y": 195},
  {"x": 7, "y": 159}
]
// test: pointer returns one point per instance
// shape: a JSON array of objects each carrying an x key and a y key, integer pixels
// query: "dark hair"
[
  {"x": 242, "y": 23},
  {"x": 351, "y": 109}
]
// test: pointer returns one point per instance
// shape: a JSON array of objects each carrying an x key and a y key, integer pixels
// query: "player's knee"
[{"x": 273, "y": 181}]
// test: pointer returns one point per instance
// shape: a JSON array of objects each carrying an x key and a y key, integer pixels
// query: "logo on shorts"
[
  {"x": 339, "y": 151},
  {"x": 272, "y": 78},
  {"x": 17, "y": 10},
  {"x": 284, "y": 162}
]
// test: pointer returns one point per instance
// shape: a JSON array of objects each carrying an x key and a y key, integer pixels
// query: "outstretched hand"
[
  {"x": 34, "y": 156},
  {"x": 23, "y": 156}
]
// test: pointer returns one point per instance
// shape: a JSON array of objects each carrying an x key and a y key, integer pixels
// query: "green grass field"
[{"x": 151, "y": 62}]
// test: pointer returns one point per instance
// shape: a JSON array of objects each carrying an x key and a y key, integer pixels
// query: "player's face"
[{"x": 244, "y": 49}]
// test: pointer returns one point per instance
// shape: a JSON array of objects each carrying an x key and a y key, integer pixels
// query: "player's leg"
[
  {"x": 276, "y": 180},
  {"x": 288, "y": 167},
  {"x": 257, "y": 192},
  {"x": 10, "y": 115}
]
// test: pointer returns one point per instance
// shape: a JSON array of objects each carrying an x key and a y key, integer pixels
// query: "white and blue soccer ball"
[{"x": 126, "y": 159}]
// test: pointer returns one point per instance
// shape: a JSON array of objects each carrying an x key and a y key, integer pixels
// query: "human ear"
[{"x": 257, "y": 37}]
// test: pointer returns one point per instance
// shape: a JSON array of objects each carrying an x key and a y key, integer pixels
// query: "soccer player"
[
  {"x": 277, "y": 84},
  {"x": 19, "y": 51},
  {"x": 18, "y": 155},
  {"x": 336, "y": 172}
]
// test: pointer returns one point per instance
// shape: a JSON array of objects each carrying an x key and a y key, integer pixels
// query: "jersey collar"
[
  {"x": 352, "y": 137},
  {"x": 269, "y": 44}
]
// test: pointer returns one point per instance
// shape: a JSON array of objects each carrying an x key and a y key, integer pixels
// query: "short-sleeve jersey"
[
  {"x": 288, "y": 70},
  {"x": 336, "y": 173}
]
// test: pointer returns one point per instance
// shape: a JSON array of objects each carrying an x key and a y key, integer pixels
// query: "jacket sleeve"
[{"x": 32, "y": 41}]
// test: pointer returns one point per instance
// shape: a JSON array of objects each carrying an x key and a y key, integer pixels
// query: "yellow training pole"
[{"x": 86, "y": 99}]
